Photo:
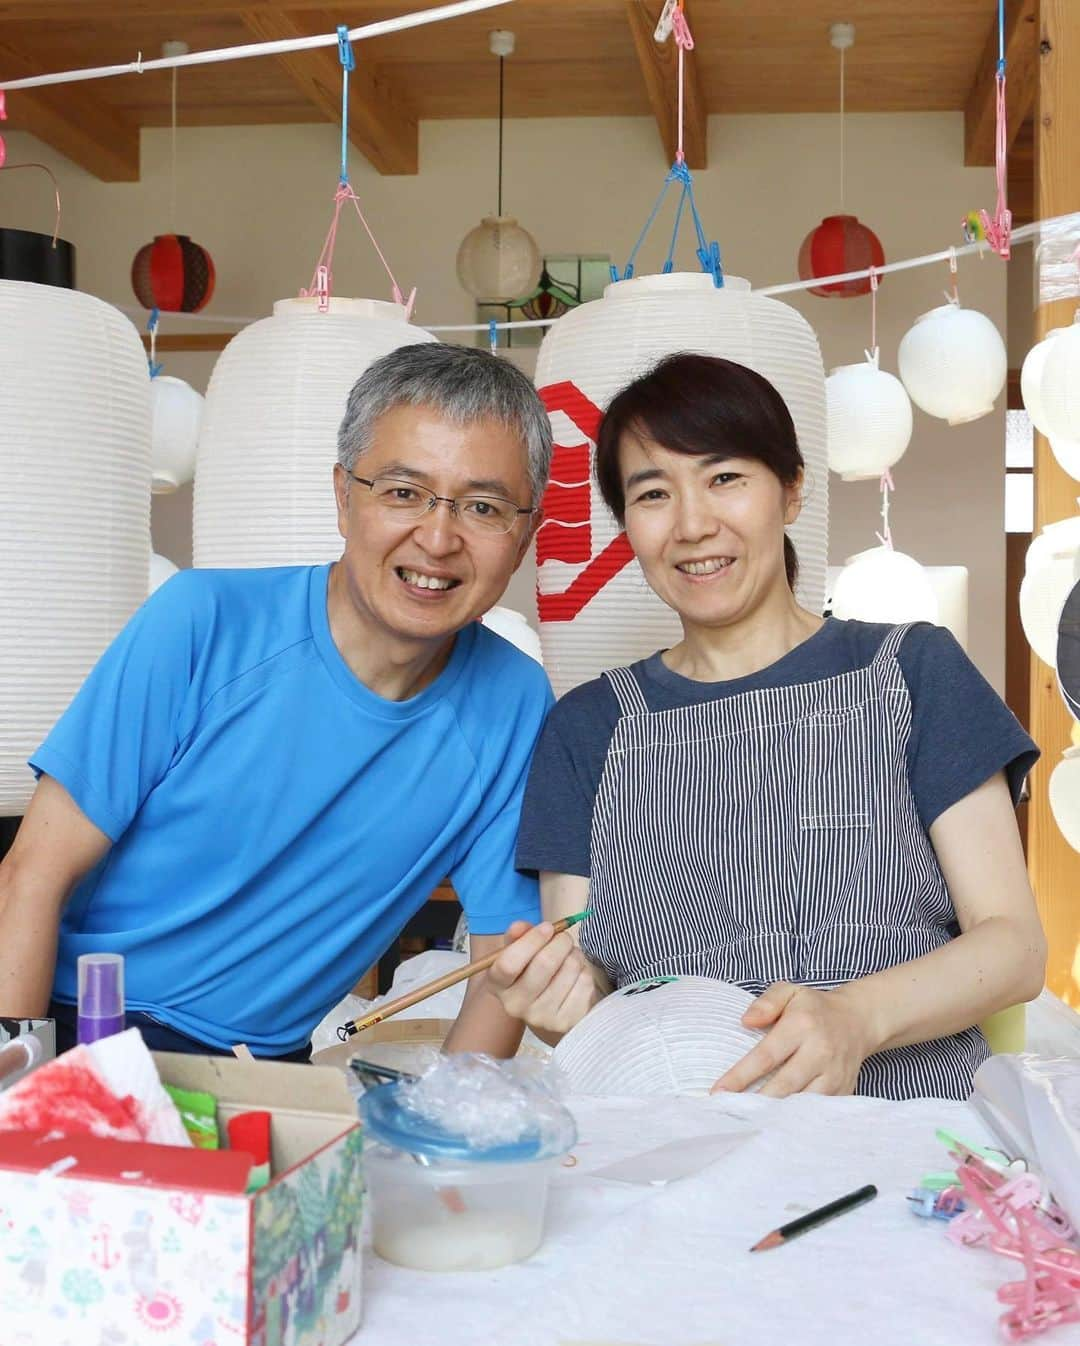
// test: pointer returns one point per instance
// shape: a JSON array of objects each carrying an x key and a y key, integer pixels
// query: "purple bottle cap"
[{"x": 101, "y": 995}]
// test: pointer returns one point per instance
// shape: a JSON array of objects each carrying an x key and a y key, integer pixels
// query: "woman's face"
[{"x": 707, "y": 531}]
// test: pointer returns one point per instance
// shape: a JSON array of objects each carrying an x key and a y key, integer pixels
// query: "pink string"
[
  {"x": 999, "y": 229},
  {"x": 3, "y": 118},
  {"x": 684, "y": 40},
  {"x": 322, "y": 277},
  {"x": 885, "y": 485},
  {"x": 873, "y": 310}
]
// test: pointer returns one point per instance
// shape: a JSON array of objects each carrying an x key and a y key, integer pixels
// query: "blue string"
[
  {"x": 151, "y": 326},
  {"x": 1001, "y": 37},
  {"x": 348, "y": 62},
  {"x": 708, "y": 254}
]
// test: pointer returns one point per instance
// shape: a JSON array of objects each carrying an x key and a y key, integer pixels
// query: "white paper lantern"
[
  {"x": 514, "y": 627},
  {"x": 498, "y": 260},
  {"x": 1065, "y": 796},
  {"x": 869, "y": 420},
  {"x": 950, "y": 585},
  {"x": 1067, "y": 453},
  {"x": 953, "y": 363},
  {"x": 595, "y": 608},
  {"x": 161, "y": 569},
  {"x": 74, "y": 505},
  {"x": 176, "y": 415},
  {"x": 263, "y": 484},
  {"x": 1060, "y": 385},
  {"x": 1031, "y": 376},
  {"x": 1049, "y": 575},
  {"x": 883, "y": 585}
]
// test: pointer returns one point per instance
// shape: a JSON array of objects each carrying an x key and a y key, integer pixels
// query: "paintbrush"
[{"x": 431, "y": 988}]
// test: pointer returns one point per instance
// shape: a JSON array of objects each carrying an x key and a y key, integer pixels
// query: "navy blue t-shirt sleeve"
[
  {"x": 556, "y": 818},
  {"x": 962, "y": 733}
]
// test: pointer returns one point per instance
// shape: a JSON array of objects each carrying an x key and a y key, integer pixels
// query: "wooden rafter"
[
  {"x": 381, "y": 125},
  {"x": 1021, "y": 81},
  {"x": 71, "y": 120},
  {"x": 658, "y": 62}
]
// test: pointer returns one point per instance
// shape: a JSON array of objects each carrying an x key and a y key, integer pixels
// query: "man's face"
[{"x": 422, "y": 579}]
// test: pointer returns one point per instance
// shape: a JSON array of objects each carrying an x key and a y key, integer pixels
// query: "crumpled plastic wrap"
[{"x": 1057, "y": 266}]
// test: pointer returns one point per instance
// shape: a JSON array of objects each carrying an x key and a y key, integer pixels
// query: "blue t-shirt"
[
  {"x": 962, "y": 733},
  {"x": 275, "y": 822}
]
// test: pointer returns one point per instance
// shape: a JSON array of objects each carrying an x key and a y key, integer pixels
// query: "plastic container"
[
  {"x": 441, "y": 1203},
  {"x": 101, "y": 996}
]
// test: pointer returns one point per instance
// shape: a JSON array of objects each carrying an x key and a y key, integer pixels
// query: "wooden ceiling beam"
[
  {"x": 1021, "y": 81},
  {"x": 71, "y": 120},
  {"x": 381, "y": 125},
  {"x": 659, "y": 68}
]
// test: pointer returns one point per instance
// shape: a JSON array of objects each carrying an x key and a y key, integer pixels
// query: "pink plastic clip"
[
  {"x": 681, "y": 29},
  {"x": 322, "y": 287},
  {"x": 3, "y": 118}
]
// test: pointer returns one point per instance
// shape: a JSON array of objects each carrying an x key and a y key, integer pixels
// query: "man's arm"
[{"x": 56, "y": 844}]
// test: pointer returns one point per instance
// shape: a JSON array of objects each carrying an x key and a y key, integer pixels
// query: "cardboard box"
[{"x": 105, "y": 1243}]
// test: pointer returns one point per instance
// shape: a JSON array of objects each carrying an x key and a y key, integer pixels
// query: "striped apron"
[{"x": 773, "y": 836}]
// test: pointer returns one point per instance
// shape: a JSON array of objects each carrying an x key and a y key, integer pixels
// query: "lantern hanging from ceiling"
[
  {"x": 595, "y": 607},
  {"x": 1064, "y": 794},
  {"x": 839, "y": 244},
  {"x": 884, "y": 585},
  {"x": 1060, "y": 385},
  {"x": 953, "y": 363},
  {"x": 275, "y": 400},
  {"x": 173, "y": 274},
  {"x": 869, "y": 420},
  {"x": 161, "y": 569},
  {"x": 75, "y": 503},
  {"x": 176, "y": 410},
  {"x": 1067, "y": 454},
  {"x": 1031, "y": 376},
  {"x": 1049, "y": 575}
]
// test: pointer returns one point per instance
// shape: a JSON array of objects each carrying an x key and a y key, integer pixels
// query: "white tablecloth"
[{"x": 669, "y": 1266}]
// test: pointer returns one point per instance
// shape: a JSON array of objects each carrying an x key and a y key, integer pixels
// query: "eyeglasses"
[{"x": 487, "y": 514}]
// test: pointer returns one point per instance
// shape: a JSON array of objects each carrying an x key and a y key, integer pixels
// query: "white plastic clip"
[
  {"x": 666, "y": 21},
  {"x": 138, "y": 64}
]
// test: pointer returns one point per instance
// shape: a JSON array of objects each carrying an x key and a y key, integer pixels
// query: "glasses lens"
[
  {"x": 403, "y": 497},
  {"x": 487, "y": 513}
]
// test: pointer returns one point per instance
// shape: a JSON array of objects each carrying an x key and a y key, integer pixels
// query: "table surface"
[{"x": 645, "y": 1265}]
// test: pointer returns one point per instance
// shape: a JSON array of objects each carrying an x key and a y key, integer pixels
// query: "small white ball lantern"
[
  {"x": 1065, "y": 796},
  {"x": 1060, "y": 385},
  {"x": 514, "y": 627},
  {"x": 1050, "y": 573},
  {"x": 176, "y": 410},
  {"x": 498, "y": 260},
  {"x": 869, "y": 420},
  {"x": 1031, "y": 376},
  {"x": 883, "y": 585},
  {"x": 161, "y": 569},
  {"x": 953, "y": 364},
  {"x": 1067, "y": 453}
]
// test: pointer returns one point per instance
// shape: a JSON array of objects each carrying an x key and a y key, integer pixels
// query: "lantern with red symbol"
[
  {"x": 840, "y": 243},
  {"x": 173, "y": 274}
]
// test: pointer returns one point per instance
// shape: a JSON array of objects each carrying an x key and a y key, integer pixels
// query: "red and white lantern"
[{"x": 596, "y": 611}]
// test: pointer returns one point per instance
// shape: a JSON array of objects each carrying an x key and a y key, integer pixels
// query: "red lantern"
[
  {"x": 840, "y": 243},
  {"x": 173, "y": 274}
]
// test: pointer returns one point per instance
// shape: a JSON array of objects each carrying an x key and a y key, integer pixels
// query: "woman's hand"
[
  {"x": 815, "y": 1042},
  {"x": 543, "y": 979}
]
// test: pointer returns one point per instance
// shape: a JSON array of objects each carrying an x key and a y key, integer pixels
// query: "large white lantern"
[
  {"x": 869, "y": 420},
  {"x": 161, "y": 569},
  {"x": 884, "y": 585},
  {"x": 1065, "y": 796},
  {"x": 263, "y": 485},
  {"x": 596, "y": 610},
  {"x": 498, "y": 260},
  {"x": 1060, "y": 386},
  {"x": 74, "y": 505},
  {"x": 953, "y": 363},
  {"x": 1031, "y": 376},
  {"x": 176, "y": 415},
  {"x": 1049, "y": 575},
  {"x": 514, "y": 627},
  {"x": 1067, "y": 453}
]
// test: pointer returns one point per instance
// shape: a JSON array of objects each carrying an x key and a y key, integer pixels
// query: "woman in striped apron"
[{"x": 818, "y": 811}]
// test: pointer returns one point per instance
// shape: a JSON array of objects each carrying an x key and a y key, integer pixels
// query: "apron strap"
[
  {"x": 627, "y": 691},
  {"x": 890, "y": 646}
]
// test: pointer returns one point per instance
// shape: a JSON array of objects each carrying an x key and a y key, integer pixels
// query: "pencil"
[
  {"x": 805, "y": 1223},
  {"x": 430, "y": 988}
]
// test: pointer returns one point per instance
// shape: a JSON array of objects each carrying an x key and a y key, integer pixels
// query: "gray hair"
[{"x": 462, "y": 383}]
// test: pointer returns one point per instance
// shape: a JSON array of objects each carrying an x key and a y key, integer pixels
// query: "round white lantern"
[
  {"x": 176, "y": 415},
  {"x": 953, "y": 363},
  {"x": 595, "y": 608},
  {"x": 498, "y": 260},
  {"x": 1065, "y": 796},
  {"x": 1054, "y": 542},
  {"x": 1067, "y": 453},
  {"x": 514, "y": 627},
  {"x": 74, "y": 504},
  {"x": 883, "y": 585},
  {"x": 1031, "y": 376},
  {"x": 264, "y": 492},
  {"x": 1060, "y": 385},
  {"x": 869, "y": 420},
  {"x": 1049, "y": 575},
  {"x": 161, "y": 569}
]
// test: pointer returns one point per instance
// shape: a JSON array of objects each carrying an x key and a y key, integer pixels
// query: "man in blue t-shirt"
[{"x": 268, "y": 771}]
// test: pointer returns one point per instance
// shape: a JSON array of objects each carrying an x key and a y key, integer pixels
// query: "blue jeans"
[{"x": 158, "y": 1037}]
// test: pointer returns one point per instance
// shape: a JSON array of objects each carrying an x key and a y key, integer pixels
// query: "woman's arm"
[
  {"x": 818, "y": 1040},
  {"x": 542, "y": 978}
]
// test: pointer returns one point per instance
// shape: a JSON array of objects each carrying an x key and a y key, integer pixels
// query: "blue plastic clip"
[
  {"x": 344, "y": 46},
  {"x": 709, "y": 257},
  {"x": 151, "y": 327},
  {"x": 493, "y": 335}
]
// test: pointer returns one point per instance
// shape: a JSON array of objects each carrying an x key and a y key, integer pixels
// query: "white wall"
[{"x": 259, "y": 198}]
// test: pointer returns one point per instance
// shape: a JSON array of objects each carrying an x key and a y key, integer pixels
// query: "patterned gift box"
[{"x": 104, "y": 1243}]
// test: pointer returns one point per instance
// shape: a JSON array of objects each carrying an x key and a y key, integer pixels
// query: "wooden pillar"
[{"x": 1053, "y": 865}]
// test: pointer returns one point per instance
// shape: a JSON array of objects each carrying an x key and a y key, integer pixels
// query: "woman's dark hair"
[{"x": 699, "y": 405}]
